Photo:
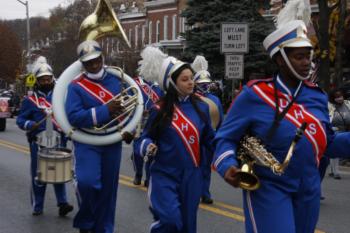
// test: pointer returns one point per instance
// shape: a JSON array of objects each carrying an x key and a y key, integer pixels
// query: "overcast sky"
[{"x": 12, "y": 9}]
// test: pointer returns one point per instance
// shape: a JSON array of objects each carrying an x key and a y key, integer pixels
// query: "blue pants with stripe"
[
  {"x": 139, "y": 164},
  {"x": 271, "y": 209},
  {"x": 174, "y": 198},
  {"x": 38, "y": 189},
  {"x": 97, "y": 174}
]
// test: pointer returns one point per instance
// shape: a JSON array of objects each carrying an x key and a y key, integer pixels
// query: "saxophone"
[{"x": 251, "y": 151}]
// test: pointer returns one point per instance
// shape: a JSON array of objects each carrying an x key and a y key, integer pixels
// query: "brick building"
[{"x": 158, "y": 23}]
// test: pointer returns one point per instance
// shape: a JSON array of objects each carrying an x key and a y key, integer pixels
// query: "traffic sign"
[
  {"x": 30, "y": 80},
  {"x": 234, "y": 38},
  {"x": 234, "y": 66}
]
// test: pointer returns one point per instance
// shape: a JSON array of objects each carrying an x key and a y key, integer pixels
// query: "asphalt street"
[{"x": 133, "y": 216}]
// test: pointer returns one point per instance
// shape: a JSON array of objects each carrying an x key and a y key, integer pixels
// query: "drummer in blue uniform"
[
  {"x": 176, "y": 128},
  {"x": 271, "y": 110},
  {"x": 151, "y": 94},
  {"x": 202, "y": 82},
  {"x": 32, "y": 119},
  {"x": 96, "y": 167}
]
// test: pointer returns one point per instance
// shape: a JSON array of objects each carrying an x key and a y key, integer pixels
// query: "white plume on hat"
[
  {"x": 199, "y": 63},
  {"x": 294, "y": 10},
  {"x": 38, "y": 62},
  {"x": 149, "y": 66},
  {"x": 200, "y": 66},
  {"x": 41, "y": 68}
]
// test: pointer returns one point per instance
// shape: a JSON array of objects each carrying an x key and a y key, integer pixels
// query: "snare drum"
[{"x": 54, "y": 165}]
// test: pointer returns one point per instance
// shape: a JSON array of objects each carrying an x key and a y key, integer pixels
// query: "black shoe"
[
  {"x": 37, "y": 212},
  {"x": 331, "y": 174},
  {"x": 207, "y": 200},
  {"x": 146, "y": 183},
  {"x": 137, "y": 180},
  {"x": 64, "y": 209},
  {"x": 322, "y": 198},
  {"x": 337, "y": 177},
  {"x": 85, "y": 231}
]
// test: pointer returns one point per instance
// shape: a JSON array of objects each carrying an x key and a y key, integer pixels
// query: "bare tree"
[{"x": 10, "y": 54}]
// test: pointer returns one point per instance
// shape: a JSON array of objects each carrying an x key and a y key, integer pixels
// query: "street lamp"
[{"x": 28, "y": 27}]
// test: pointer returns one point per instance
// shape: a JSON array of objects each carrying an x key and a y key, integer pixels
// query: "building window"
[
  {"x": 136, "y": 35},
  {"x": 143, "y": 35},
  {"x": 165, "y": 27},
  {"x": 174, "y": 27},
  {"x": 150, "y": 32},
  {"x": 130, "y": 35},
  {"x": 157, "y": 31},
  {"x": 182, "y": 24}
]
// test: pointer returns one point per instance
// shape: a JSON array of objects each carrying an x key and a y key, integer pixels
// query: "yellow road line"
[
  {"x": 125, "y": 180},
  {"x": 15, "y": 145},
  {"x": 230, "y": 207}
]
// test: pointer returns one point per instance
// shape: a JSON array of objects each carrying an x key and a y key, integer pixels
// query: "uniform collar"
[
  {"x": 43, "y": 93},
  {"x": 183, "y": 98},
  {"x": 289, "y": 91}
]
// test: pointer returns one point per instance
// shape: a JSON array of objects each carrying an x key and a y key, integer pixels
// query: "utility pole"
[{"x": 28, "y": 26}]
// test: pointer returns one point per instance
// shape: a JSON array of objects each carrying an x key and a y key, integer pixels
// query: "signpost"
[
  {"x": 234, "y": 43},
  {"x": 234, "y": 38}
]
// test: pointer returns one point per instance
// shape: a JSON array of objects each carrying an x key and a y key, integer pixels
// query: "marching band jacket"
[
  {"x": 31, "y": 112},
  {"x": 253, "y": 112},
  {"x": 179, "y": 144},
  {"x": 87, "y": 98},
  {"x": 150, "y": 93}
]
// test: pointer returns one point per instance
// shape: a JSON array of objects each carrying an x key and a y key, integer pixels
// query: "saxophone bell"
[{"x": 247, "y": 179}]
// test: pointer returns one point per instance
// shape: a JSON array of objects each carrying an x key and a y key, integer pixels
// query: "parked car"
[{"x": 9, "y": 107}]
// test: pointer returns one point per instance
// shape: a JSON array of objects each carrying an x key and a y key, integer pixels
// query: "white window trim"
[
  {"x": 157, "y": 31},
  {"x": 150, "y": 32},
  {"x": 165, "y": 27},
  {"x": 174, "y": 22}
]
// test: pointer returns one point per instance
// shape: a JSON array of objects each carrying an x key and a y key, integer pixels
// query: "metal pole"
[
  {"x": 28, "y": 28},
  {"x": 28, "y": 25}
]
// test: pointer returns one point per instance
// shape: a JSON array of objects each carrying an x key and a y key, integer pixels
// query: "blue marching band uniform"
[
  {"x": 151, "y": 94},
  {"x": 202, "y": 82},
  {"x": 208, "y": 154},
  {"x": 297, "y": 192},
  {"x": 32, "y": 112},
  {"x": 97, "y": 167},
  {"x": 176, "y": 168}
]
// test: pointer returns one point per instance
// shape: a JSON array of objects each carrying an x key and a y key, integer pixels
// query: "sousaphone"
[{"x": 103, "y": 22}]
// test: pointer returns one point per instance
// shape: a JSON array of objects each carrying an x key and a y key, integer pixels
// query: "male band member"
[
  {"x": 32, "y": 119},
  {"x": 97, "y": 167}
]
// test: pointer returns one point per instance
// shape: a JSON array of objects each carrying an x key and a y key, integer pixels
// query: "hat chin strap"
[
  {"x": 177, "y": 89},
  {"x": 291, "y": 68}
]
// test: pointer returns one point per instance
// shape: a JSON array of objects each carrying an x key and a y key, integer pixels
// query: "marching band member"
[
  {"x": 151, "y": 94},
  {"x": 176, "y": 128},
  {"x": 271, "y": 110},
  {"x": 31, "y": 119},
  {"x": 96, "y": 167},
  {"x": 202, "y": 85}
]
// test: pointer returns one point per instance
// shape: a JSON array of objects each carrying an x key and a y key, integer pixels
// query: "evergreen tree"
[{"x": 204, "y": 18}]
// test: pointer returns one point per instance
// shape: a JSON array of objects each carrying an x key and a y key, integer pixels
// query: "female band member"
[{"x": 173, "y": 134}]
